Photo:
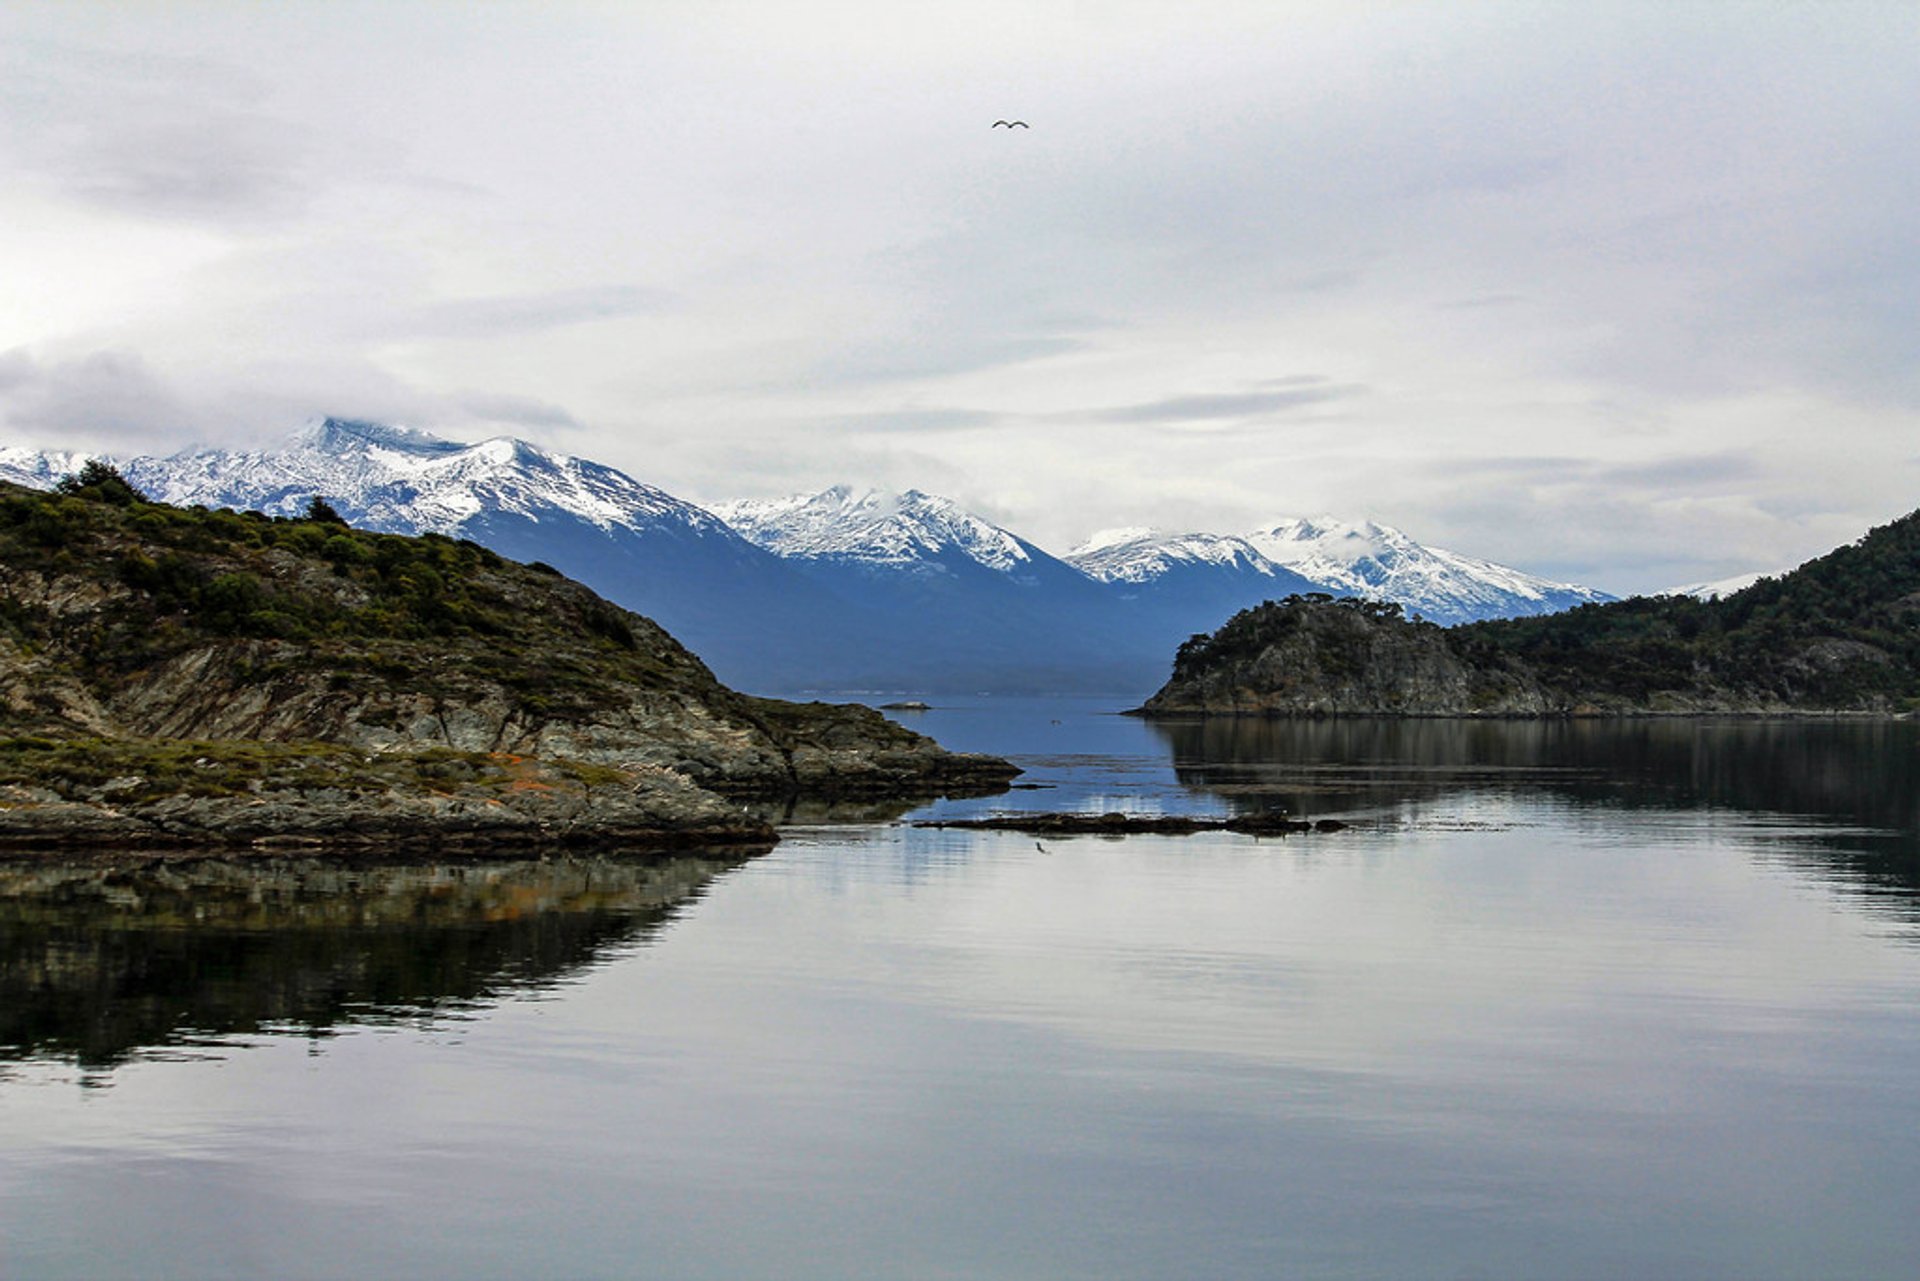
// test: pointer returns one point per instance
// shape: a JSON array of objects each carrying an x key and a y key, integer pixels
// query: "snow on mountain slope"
[
  {"x": 38, "y": 468},
  {"x": 1138, "y": 555},
  {"x": 1378, "y": 562},
  {"x": 405, "y": 481},
  {"x": 743, "y": 610},
  {"x": 845, "y": 589},
  {"x": 1720, "y": 586},
  {"x": 899, "y": 531}
]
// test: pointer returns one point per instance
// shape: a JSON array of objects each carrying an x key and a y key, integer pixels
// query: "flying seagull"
[{"x": 1010, "y": 124}]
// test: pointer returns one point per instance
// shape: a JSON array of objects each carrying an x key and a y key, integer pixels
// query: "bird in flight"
[{"x": 1010, "y": 124}]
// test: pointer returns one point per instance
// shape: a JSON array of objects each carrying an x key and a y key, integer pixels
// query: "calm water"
[{"x": 1567, "y": 1000}]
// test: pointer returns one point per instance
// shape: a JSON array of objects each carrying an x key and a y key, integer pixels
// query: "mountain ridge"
[{"x": 848, "y": 589}]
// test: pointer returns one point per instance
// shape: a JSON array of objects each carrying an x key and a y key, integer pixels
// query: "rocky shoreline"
[{"x": 181, "y": 677}]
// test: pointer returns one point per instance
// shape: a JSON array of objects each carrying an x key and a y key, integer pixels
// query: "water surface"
[{"x": 1567, "y": 999}]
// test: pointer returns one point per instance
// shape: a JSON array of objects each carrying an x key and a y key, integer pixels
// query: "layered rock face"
[{"x": 135, "y": 621}]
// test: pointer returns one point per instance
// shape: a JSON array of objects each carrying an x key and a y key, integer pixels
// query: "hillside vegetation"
[
  {"x": 1839, "y": 634},
  {"x": 139, "y": 625}
]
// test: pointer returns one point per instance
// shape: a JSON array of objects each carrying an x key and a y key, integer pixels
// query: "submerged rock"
[{"x": 1271, "y": 823}]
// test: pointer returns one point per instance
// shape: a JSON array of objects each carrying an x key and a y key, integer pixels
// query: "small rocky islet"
[{"x": 192, "y": 677}]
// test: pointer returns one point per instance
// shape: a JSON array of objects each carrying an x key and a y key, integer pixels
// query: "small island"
[
  {"x": 195, "y": 677},
  {"x": 1839, "y": 635}
]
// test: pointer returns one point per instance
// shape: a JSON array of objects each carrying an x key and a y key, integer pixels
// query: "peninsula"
[
  {"x": 1841, "y": 634},
  {"x": 184, "y": 676}
]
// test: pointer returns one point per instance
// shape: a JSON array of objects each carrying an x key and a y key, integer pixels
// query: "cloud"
[
  {"x": 152, "y": 134},
  {"x": 910, "y": 420},
  {"x": 1661, "y": 474},
  {"x": 1220, "y": 405},
  {"x": 1480, "y": 301},
  {"x": 893, "y": 361},
  {"x": 508, "y": 314},
  {"x": 119, "y": 400},
  {"x": 108, "y": 398},
  {"x": 516, "y": 411}
]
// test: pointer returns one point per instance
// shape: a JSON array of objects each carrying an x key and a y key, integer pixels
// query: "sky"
[{"x": 1622, "y": 293}]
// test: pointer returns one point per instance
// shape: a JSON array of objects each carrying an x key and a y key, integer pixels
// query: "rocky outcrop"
[
  {"x": 1320, "y": 657},
  {"x": 1315, "y": 656},
  {"x": 168, "y": 794},
  {"x": 127, "y": 622}
]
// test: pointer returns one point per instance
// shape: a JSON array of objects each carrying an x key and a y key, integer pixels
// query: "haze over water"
[{"x": 1576, "y": 999}]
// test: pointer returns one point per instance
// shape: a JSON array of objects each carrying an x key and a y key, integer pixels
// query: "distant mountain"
[
  {"x": 1183, "y": 583},
  {"x": 640, "y": 546},
  {"x": 921, "y": 533},
  {"x": 1718, "y": 587},
  {"x": 1378, "y": 562},
  {"x": 841, "y": 590},
  {"x": 37, "y": 468},
  {"x": 949, "y": 582},
  {"x": 1222, "y": 573}
]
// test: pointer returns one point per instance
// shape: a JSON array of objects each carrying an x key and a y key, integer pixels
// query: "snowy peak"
[
  {"x": 875, "y": 527},
  {"x": 1720, "y": 586},
  {"x": 404, "y": 480},
  {"x": 1139, "y": 555},
  {"x": 1351, "y": 555},
  {"x": 38, "y": 468},
  {"x": 1378, "y": 562},
  {"x": 350, "y": 435}
]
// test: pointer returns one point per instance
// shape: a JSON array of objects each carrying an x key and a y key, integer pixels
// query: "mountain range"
[{"x": 842, "y": 590}]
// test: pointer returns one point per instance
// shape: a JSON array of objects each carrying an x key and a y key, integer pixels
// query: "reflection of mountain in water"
[
  {"x": 98, "y": 962},
  {"x": 1840, "y": 773}
]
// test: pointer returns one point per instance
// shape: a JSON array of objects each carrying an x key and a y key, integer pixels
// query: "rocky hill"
[
  {"x": 187, "y": 674},
  {"x": 1839, "y": 634}
]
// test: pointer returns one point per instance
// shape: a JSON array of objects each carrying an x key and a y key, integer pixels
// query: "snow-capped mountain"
[
  {"x": 952, "y": 584},
  {"x": 912, "y": 531},
  {"x": 38, "y": 468},
  {"x": 1342, "y": 558},
  {"x": 1720, "y": 586},
  {"x": 406, "y": 481},
  {"x": 1378, "y": 562},
  {"x": 845, "y": 589},
  {"x": 637, "y": 545},
  {"x": 1136, "y": 554},
  {"x": 1184, "y": 583}
]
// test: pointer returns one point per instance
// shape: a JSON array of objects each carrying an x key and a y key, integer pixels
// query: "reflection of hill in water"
[
  {"x": 98, "y": 962},
  {"x": 1857, "y": 774}
]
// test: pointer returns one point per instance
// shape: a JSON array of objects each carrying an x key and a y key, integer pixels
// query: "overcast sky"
[{"x": 1622, "y": 293}]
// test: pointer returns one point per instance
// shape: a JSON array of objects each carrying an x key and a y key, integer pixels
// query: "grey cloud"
[
  {"x": 902, "y": 361},
  {"x": 117, "y": 400},
  {"x": 507, "y": 314},
  {"x": 1658, "y": 474},
  {"x": 921, "y": 419},
  {"x": 1220, "y": 405},
  {"x": 107, "y": 398},
  {"x": 1697, "y": 469},
  {"x": 152, "y": 135},
  {"x": 520, "y": 411},
  {"x": 1479, "y": 302},
  {"x": 1554, "y": 467}
]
